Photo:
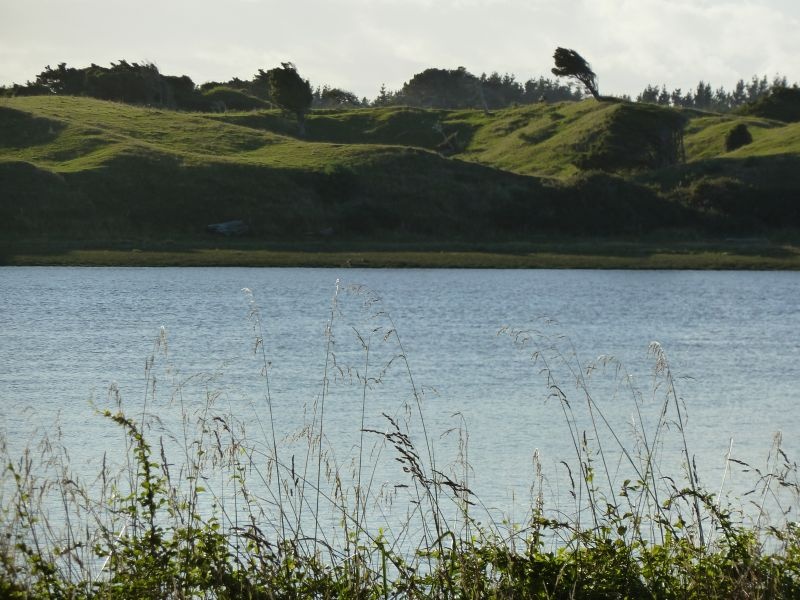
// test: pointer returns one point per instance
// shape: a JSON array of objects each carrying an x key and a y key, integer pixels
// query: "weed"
[{"x": 216, "y": 510}]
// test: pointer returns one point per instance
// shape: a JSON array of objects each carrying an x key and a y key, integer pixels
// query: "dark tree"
[
  {"x": 549, "y": 90},
  {"x": 663, "y": 96},
  {"x": 781, "y": 104},
  {"x": 126, "y": 82},
  {"x": 757, "y": 88},
  {"x": 571, "y": 64},
  {"x": 649, "y": 95},
  {"x": 328, "y": 97},
  {"x": 703, "y": 96},
  {"x": 291, "y": 92},
  {"x": 739, "y": 94},
  {"x": 499, "y": 91},
  {"x": 442, "y": 88},
  {"x": 458, "y": 88},
  {"x": 259, "y": 87},
  {"x": 63, "y": 80},
  {"x": 181, "y": 91}
]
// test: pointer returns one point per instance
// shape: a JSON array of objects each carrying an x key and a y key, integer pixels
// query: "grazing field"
[{"x": 90, "y": 174}]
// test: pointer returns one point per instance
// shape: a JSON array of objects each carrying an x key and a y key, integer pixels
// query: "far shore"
[{"x": 727, "y": 254}]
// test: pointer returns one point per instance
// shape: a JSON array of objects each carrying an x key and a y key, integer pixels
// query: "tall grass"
[{"x": 220, "y": 505}]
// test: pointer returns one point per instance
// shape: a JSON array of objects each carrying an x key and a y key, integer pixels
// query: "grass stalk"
[{"x": 154, "y": 530}]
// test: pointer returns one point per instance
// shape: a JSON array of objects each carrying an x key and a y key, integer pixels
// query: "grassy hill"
[
  {"x": 545, "y": 140},
  {"x": 84, "y": 170}
]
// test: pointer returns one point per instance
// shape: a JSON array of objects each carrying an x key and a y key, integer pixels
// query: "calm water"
[{"x": 68, "y": 334}]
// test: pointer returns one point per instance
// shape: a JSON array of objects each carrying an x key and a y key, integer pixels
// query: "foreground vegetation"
[{"x": 223, "y": 508}]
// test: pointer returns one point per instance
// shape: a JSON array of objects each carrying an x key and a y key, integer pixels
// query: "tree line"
[
  {"x": 704, "y": 97},
  {"x": 142, "y": 83}
]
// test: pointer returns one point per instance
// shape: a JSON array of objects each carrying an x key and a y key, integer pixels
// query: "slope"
[
  {"x": 85, "y": 169},
  {"x": 544, "y": 140},
  {"x": 82, "y": 169}
]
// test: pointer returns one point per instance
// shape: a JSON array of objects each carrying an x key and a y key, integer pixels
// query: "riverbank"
[{"x": 730, "y": 254}]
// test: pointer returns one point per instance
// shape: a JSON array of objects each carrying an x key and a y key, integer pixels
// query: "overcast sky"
[{"x": 360, "y": 44}]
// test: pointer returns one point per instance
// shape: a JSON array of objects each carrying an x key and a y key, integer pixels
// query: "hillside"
[
  {"x": 545, "y": 140},
  {"x": 93, "y": 171}
]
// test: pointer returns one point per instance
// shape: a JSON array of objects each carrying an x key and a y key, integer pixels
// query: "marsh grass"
[
  {"x": 211, "y": 503},
  {"x": 557, "y": 253}
]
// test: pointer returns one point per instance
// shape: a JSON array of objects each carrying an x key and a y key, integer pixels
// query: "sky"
[{"x": 359, "y": 45}]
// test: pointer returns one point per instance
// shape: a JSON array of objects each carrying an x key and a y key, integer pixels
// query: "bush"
[
  {"x": 782, "y": 104},
  {"x": 223, "y": 98},
  {"x": 737, "y": 137}
]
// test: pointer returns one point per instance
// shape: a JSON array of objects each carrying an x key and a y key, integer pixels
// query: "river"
[{"x": 448, "y": 339}]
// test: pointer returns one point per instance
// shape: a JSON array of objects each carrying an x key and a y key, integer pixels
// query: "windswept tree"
[
  {"x": 63, "y": 80},
  {"x": 291, "y": 92},
  {"x": 571, "y": 64}
]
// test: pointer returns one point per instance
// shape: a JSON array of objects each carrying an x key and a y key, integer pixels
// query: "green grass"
[
  {"x": 705, "y": 137},
  {"x": 122, "y": 170},
  {"x": 536, "y": 140},
  {"x": 597, "y": 254},
  {"x": 78, "y": 169},
  {"x": 543, "y": 140}
]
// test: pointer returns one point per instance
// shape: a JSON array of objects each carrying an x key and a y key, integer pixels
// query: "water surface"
[{"x": 68, "y": 334}]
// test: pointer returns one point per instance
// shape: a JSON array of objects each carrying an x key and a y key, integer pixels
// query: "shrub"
[
  {"x": 737, "y": 137},
  {"x": 224, "y": 98}
]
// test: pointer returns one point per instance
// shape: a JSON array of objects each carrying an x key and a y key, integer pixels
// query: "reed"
[{"x": 213, "y": 505}]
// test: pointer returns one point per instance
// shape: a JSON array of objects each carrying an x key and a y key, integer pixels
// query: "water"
[{"x": 68, "y": 334}]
